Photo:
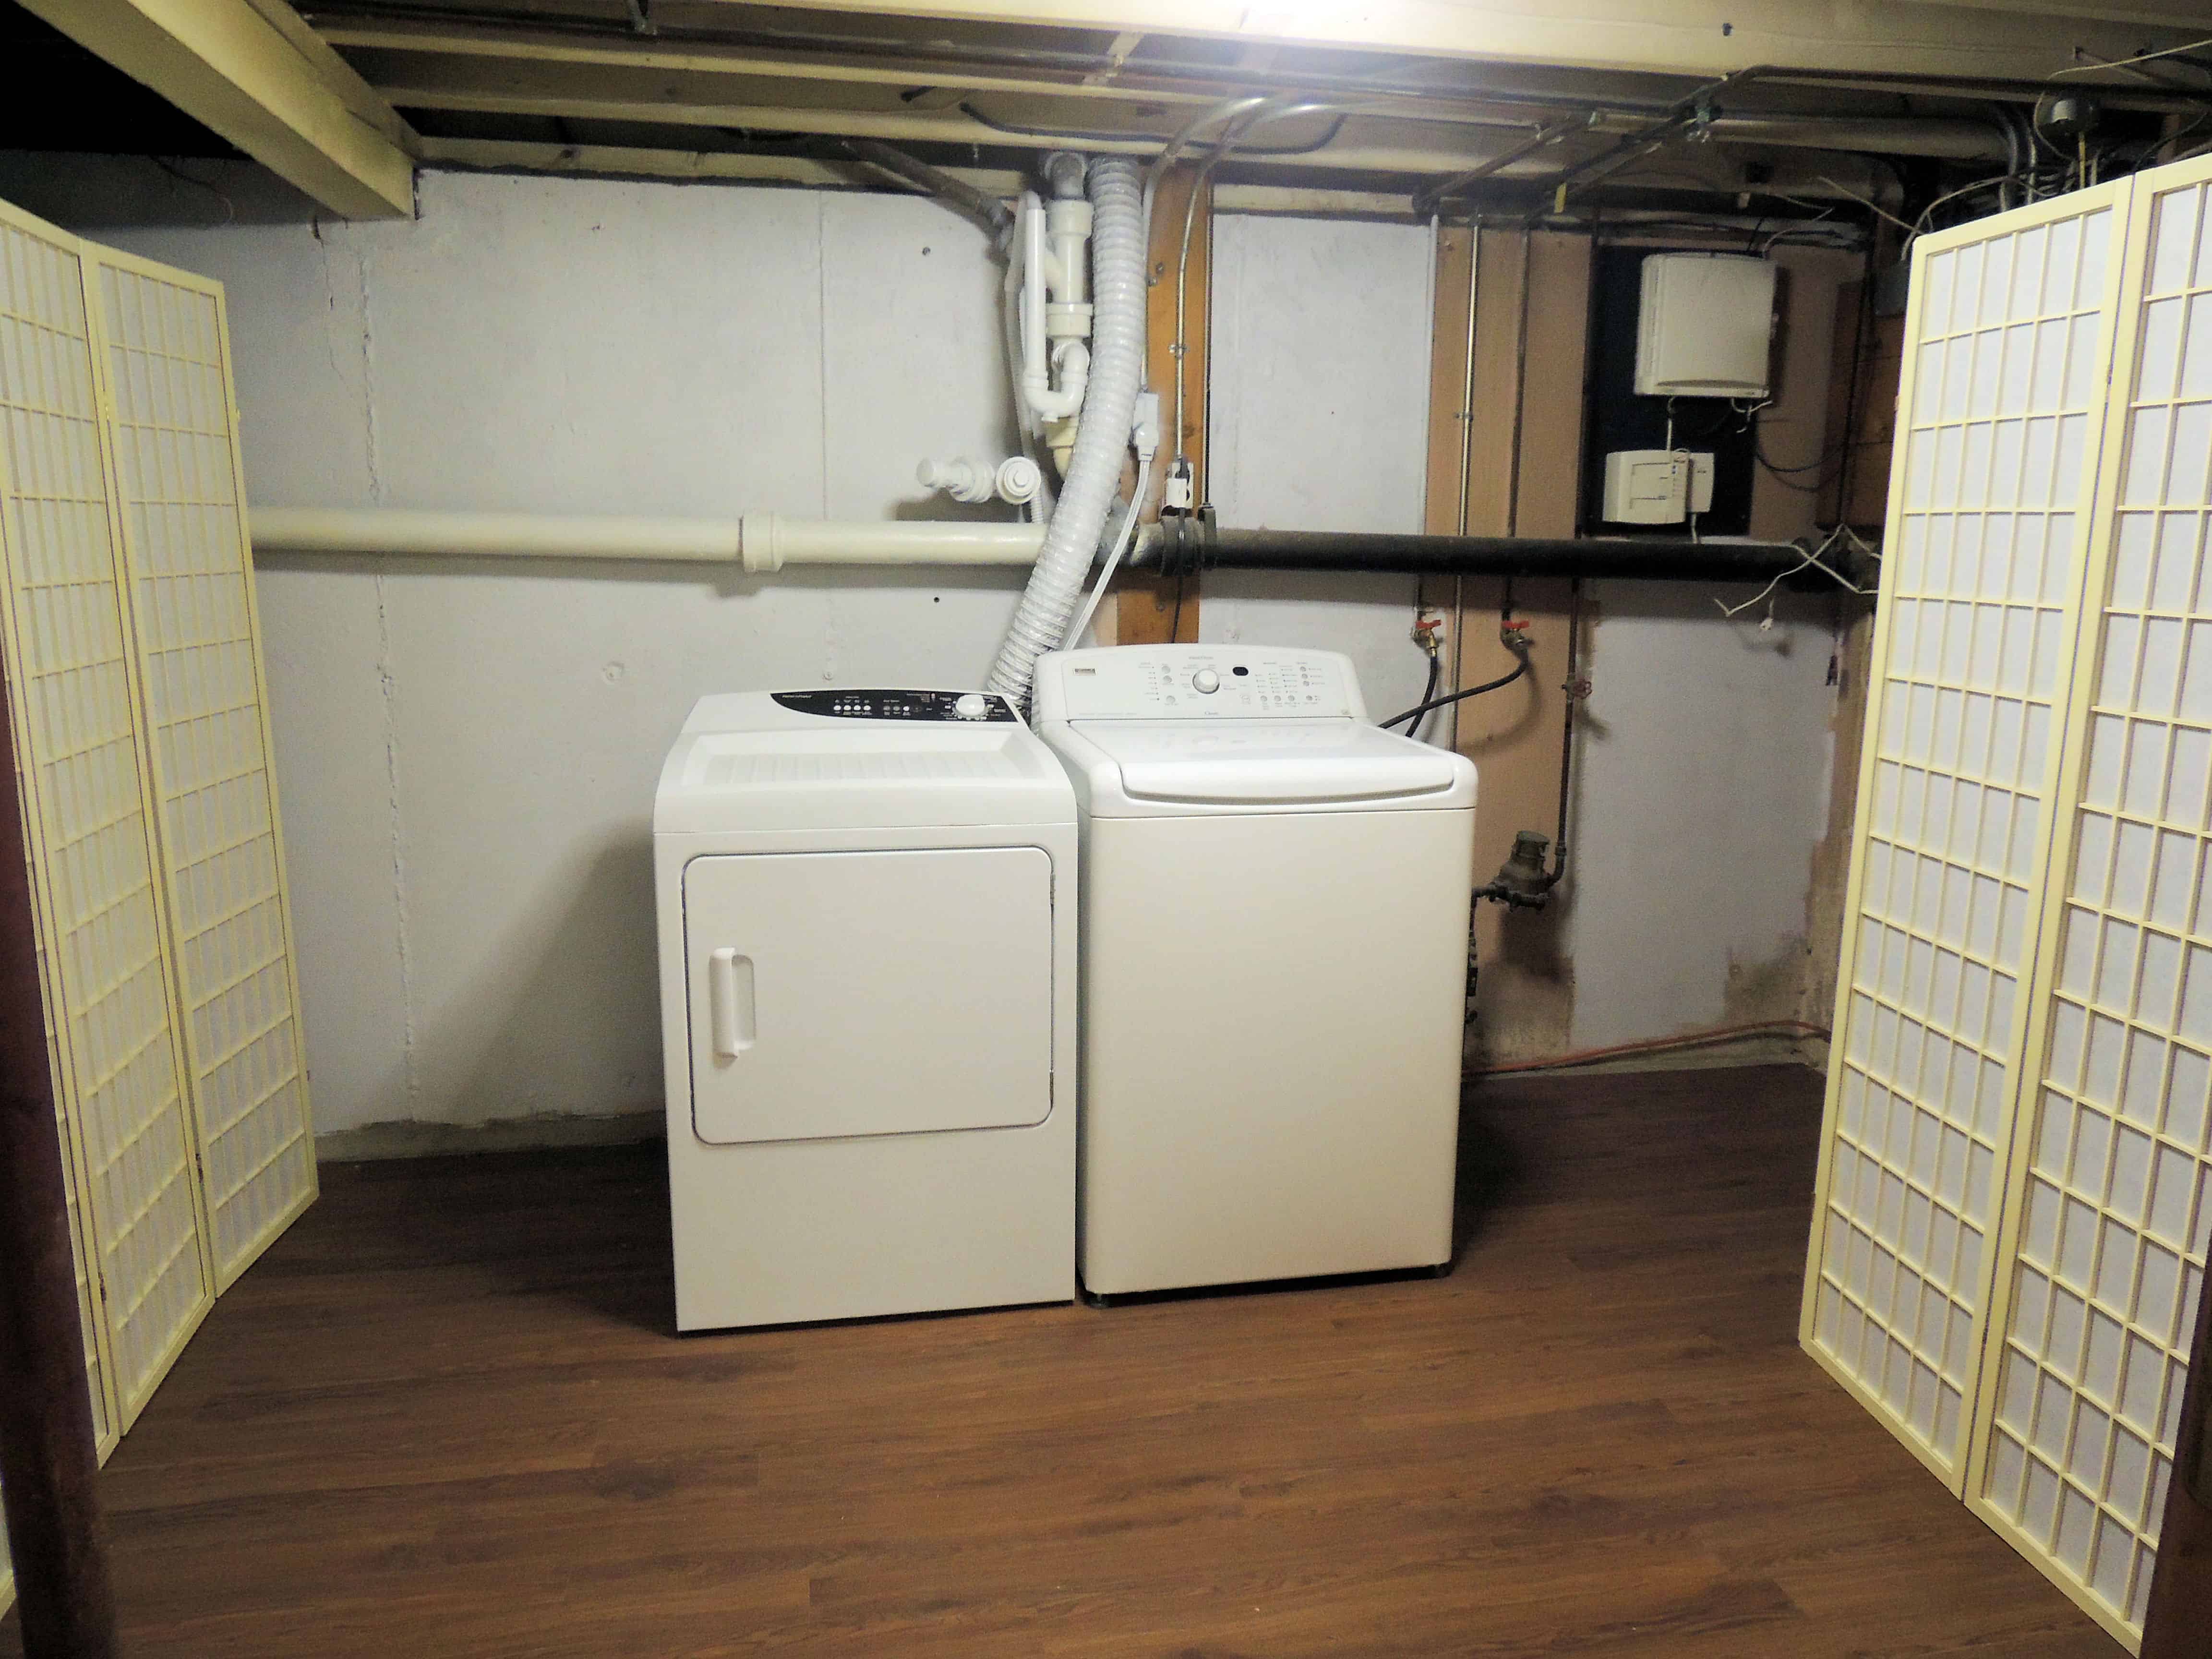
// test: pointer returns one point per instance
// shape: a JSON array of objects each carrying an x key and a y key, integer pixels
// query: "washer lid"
[{"x": 1272, "y": 763}]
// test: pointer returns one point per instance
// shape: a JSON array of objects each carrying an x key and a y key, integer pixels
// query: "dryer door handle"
[{"x": 730, "y": 1001}]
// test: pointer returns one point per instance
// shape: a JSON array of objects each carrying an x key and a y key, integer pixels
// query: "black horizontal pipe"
[{"x": 1197, "y": 546}]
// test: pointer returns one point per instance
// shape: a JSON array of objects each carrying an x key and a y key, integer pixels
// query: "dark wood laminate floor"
[{"x": 444, "y": 1417}]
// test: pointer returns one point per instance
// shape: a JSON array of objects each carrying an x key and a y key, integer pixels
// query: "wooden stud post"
[
  {"x": 1146, "y": 606},
  {"x": 1505, "y": 451},
  {"x": 49, "y": 1463}
]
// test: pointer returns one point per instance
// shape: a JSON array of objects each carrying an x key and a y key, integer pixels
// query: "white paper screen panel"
[
  {"x": 192, "y": 606},
  {"x": 2009, "y": 344},
  {"x": 2110, "y": 1223},
  {"x": 72, "y": 701}
]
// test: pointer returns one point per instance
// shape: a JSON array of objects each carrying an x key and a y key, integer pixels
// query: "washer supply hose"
[{"x": 1094, "y": 474}]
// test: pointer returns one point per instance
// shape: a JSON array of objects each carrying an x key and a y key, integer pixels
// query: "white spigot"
[
  {"x": 962, "y": 480},
  {"x": 1018, "y": 480}
]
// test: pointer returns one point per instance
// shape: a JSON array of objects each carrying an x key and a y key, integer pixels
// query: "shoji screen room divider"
[
  {"x": 2011, "y": 1234},
  {"x": 135, "y": 697}
]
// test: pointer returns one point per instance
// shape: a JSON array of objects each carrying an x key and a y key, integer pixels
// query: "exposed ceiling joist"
[
  {"x": 251, "y": 70},
  {"x": 1441, "y": 134},
  {"x": 2192, "y": 14},
  {"x": 1703, "y": 38},
  {"x": 641, "y": 162}
]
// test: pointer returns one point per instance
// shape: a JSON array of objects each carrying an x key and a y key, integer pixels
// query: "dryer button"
[{"x": 1206, "y": 680}]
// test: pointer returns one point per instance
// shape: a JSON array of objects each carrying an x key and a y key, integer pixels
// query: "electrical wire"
[
  {"x": 1781, "y": 474},
  {"x": 1418, "y": 710},
  {"x": 1114, "y": 559},
  {"x": 2140, "y": 58},
  {"x": 1867, "y": 203},
  {"x": 1231, "y": 138},
  {"x": 1920, "y": 226},
  {"x": 1812, "y": 560}
]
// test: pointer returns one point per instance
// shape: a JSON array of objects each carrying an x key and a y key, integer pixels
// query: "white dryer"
[
  {"x": 866, "y": 905},
  {"x": 1274, "y": 957}
]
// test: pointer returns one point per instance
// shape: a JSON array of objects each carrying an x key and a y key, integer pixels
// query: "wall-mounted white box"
[
  {"x": 1704, "y": 323},
  {"x": 1646, "y": 486}
]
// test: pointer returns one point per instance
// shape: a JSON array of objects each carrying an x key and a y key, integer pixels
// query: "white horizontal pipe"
[
  {"x": 772, "y": 541},
  {"x": 495, "y": 535},
  {"x": 761, "y": 542}
]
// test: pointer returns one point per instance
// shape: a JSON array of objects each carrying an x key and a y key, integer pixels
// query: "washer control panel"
[
  {"x": 1200, "y": 682},
  {"x": 867, "y": 705}
]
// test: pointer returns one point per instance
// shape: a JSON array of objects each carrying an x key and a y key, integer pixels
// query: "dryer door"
[{"x": 868, "y": 994}]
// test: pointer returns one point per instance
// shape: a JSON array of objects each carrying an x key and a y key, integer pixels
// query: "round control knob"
[
  {"x": 1206, "y": 680},
  {"x": 971, "y": 705}
]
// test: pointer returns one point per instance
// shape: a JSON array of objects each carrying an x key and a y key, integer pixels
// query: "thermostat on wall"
[
  {"x": 1657, "y": 486},
  {"x": 1703, "y": 325}
]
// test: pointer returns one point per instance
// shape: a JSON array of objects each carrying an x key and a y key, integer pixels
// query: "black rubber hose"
[
  {"x": 1436, "y": 673},
  {"x": 1423, "y": 708}
]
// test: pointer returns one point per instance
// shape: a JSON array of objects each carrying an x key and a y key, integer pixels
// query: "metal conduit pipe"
[
  {"x": 993, "y": 214},
  {"x": 1953, "y": 140}
]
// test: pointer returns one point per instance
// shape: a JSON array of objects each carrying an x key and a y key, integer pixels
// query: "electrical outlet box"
[
  {"x": 1648, "y": 486},
  {"x": 1704, "y": 325}
]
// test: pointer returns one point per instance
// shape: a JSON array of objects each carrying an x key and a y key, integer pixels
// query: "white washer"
[
  {"x": 867, "y": 994},
  {"x": 1274, "y": 957}
]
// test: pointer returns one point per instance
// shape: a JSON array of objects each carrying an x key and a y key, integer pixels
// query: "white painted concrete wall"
[
  {"x": 467, "y": 752},
  {"x": 1320, "y": 422},
  {"x": 1705, "y": 759}
]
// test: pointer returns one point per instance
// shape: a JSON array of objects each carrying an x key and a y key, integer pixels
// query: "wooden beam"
[
  {"x": 269, "y": 86},
  {"x": 1505, "y": 413},
  {"x": 1149, "y": 609},
  {"x": 1701, "y": 38},
  {"x": 502, "y": 43},
  {"x": 1501, "y": 273},
  {"x": 1041, "y": 121},
  {"x": 49, "y": 1461}
]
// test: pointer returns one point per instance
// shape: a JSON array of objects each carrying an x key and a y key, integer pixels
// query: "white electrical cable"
[
  {"x": 1094, "y": 472},
  {"x": 1074, "y": 634},
  {"x": 1812, "y": 560},
  {"x": 2140, "y": 58}
]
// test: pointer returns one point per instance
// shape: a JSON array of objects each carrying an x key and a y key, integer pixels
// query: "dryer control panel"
[
  {"x": 871, "y": 705},
  {"x": 1197, "y": 682}
]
